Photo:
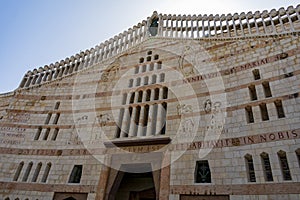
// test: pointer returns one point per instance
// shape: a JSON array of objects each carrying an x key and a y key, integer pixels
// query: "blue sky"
[{"x": 35, "y": 33}]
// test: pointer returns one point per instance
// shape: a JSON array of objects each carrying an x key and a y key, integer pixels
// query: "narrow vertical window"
[
  {"x": 56, "y": 118},
  {"x": 18, "y": 172},
  {"x": 46, "y": 135},
  {"x": 151, "y": 68},
  {"x": 279, "y": 109},
  {"x": 38, "y": 133},
  {"x": 159, "y": 65},
  {"x": 27, "y": 172},
  {"x": 250, "y": 168},
  {"x": 285, "y": 169},
  {"x": 75, "y": 175},
  {"x": 165, "y": 92},
  {"x": 264, "y": 112},
  {"x": 266, "y": 166},
  {"x": 138, "y": 81},
  {"x": 55, "y": 133},
  {"x": 137, "y": 115},
  {"x": 267, "y": 89},
  {"x": 148, "y": 95},
  {"x": 156, "y": 93},
  {"x": 146, "y": 80},
  {"x": 149, "y": 58},
  {"x": 136, "y": 70},
  {"x": 48, "y": 118},
  {"x": 252, "y": 92},
  {"x": 153, "y": 79},
  {"x": 144, "y": 68},
  {"x": 46, "y": 173},
  {"x": 140, "y": 97},
  {"x": 249, "y": 114},
  {"x": 202, "y": 172},
  {"x": 141, "y": 60},
  {"x": 256, "y": 74},
  {"x": 57, "y": 104},
  {"x": 162, "y": 77},
  {"x": 36, "y": 172},
  {"x": 156, "y": 57},
  {"x": 132, "y": 98}
]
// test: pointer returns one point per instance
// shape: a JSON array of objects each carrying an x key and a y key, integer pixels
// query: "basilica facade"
[{"x": 178, "y": 107}]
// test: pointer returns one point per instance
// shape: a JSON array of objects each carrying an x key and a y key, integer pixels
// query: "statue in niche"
[
  {"x": 186, "y": 70},
  {"x": 207, "y": 106},
  {"x": 153, "y": 26}
]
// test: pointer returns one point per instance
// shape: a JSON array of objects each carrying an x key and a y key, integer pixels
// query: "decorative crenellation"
[{"x": 281, "y": 21}]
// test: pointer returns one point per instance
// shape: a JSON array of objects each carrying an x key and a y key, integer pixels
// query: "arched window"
[
  {"x": 266, "y": 166},
  {"x": 141, "y": 60},
  {"x": 19, "y": 169},
  {"x": 162, "y": 77},
  {"x": 153, "y": 79},
  {"x": 144, "y": 68},
  {"x": 140, "y": 97},
  {"x": 46, "y": 173},
  {"x": 156, "y": 93},
  {"x": 75, "y": 175},
  {"x": 151, "y": 68},
  {"x": 136, "y": 70},
  {"x": 138, "y": 81},
  {"x": 148, "y": 95},
  {"x": 132, "y": 98},
  {"x": 286, "y": 174},
  {"x": 27, "y": 172},
  {"x": 250, "y": 168},
  {"x": 137, "y": 115},
  {"x": 165, "y": 92},
  {"x": 149, "y": 53},
  {"x": 156, "y": 57},
  {"x": 149, "y": 58},
  {"x": 36, "y": 172},
  {"x": 146, "y": 80},
  {"x": 159, "y": 64}
]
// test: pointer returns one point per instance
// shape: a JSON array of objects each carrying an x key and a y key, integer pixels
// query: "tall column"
[
  {"x": 160, "y": 112},
  {"x": 150, "y": 116},
  {"x": 141, "y": 122},
  {"x": 132, "y": 128},
  {"x": 125, "y": 123}
]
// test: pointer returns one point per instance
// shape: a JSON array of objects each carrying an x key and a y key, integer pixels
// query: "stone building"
[{"x": 181, "y": 107}]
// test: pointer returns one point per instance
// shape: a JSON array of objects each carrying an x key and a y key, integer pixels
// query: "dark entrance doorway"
[{"x": 133, "y": 186}]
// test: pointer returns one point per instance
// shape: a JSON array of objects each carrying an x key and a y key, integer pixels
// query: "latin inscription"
[{"x": 12, "y": 135}]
